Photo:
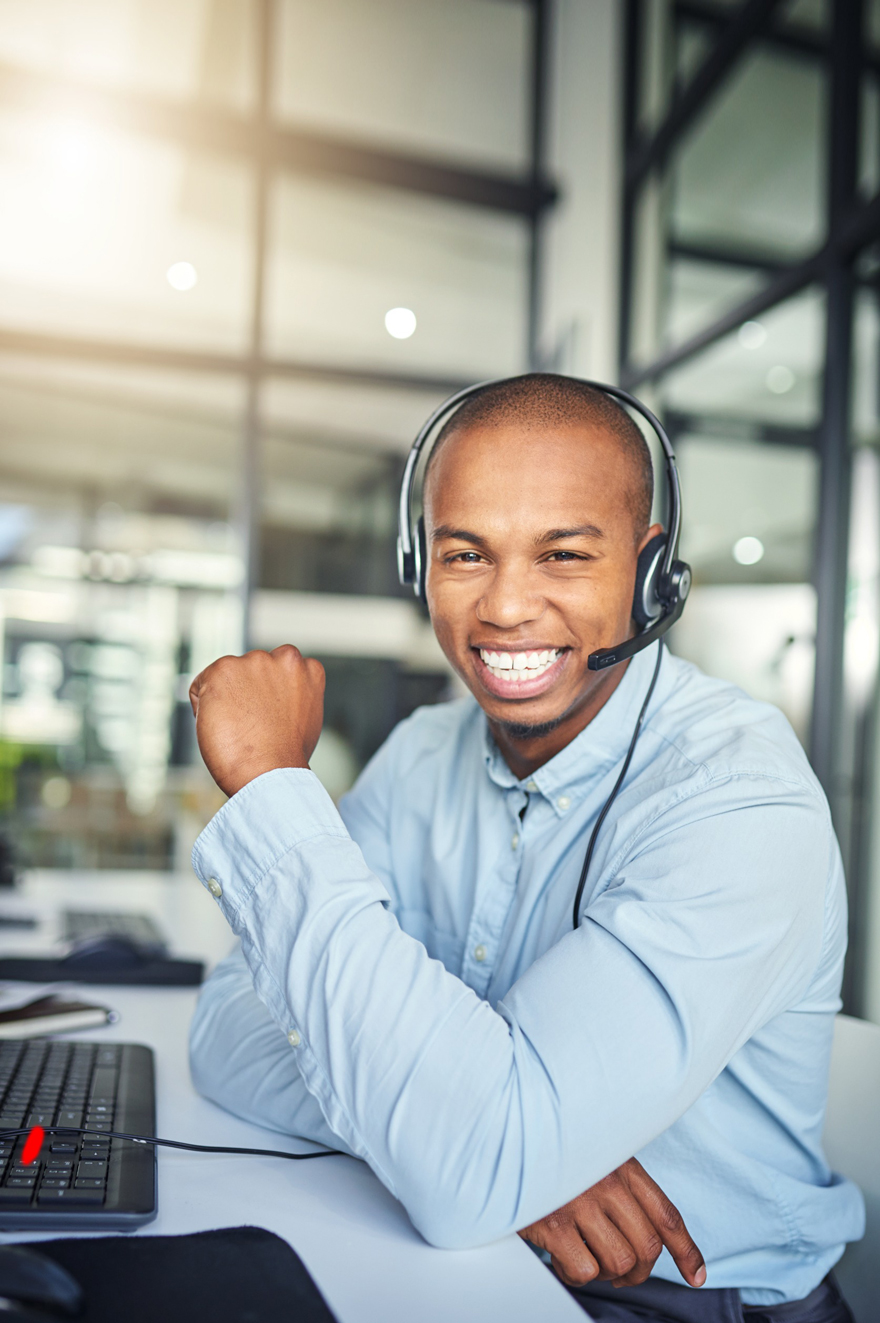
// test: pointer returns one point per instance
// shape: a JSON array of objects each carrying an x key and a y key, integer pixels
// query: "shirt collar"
[{"x": 603, "y": 742}]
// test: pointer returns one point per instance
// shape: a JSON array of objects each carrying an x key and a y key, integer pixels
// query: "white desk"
[{"x": 355, "y": 1239}]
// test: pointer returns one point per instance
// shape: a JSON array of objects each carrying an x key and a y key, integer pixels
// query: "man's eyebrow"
[
  {"x": 557, "y": 534},
  {"x": 460, "y": 535}
]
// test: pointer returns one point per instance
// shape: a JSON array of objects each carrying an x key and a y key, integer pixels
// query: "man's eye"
[
  {"x": 465, "y": 557},
  {"x": 564, "y": 555}
]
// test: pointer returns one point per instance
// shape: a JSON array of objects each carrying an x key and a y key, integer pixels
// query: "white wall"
[{"x": 580, "y": 247}]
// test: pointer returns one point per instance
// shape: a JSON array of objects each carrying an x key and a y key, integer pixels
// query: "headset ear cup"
[
  {"x": 647, "y": 605},
  {"x": 421, "y": 560}
]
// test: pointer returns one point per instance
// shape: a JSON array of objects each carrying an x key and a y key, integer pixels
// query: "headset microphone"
[{"x": 662, "y": 580}]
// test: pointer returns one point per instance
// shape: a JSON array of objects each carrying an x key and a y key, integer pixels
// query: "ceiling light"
[
  {"x": 73, "y": 146},
  {"x": 400, "y": 322},
  {"x": 752, "y": 335},
  {"x": 780, "y": 379},
  {"x": 182, "y": 276},
  {"x": 748, "y": 550}
]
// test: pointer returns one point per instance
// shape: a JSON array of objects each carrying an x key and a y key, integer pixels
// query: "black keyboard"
[
  {"x": 78, "y": 1180},
  {"x": 80, "y": 925}
]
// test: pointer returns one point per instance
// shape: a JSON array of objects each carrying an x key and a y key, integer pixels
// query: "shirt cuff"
[{"x": 270, "y": 816}]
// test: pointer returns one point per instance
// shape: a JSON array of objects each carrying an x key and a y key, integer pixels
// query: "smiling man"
[{"x": 408, "y": 985}]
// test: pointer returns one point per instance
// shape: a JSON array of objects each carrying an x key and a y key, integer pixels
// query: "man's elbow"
[{"x": 458, "y": 1224}]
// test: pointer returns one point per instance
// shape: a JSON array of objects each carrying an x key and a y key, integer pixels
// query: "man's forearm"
[{"x": 241, "y": 1060}]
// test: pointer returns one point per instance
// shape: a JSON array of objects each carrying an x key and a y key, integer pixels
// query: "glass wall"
[
  {"x": 246, "y": 246},
  {"x": 750, "y": 314}
]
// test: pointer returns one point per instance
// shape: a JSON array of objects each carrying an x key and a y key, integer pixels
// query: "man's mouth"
[
  {"x": 520, "y": 675},
  {"x": 519, "y": 667}
]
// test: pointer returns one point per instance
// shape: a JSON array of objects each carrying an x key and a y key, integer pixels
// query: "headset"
[{"x": 662, "y": 580}]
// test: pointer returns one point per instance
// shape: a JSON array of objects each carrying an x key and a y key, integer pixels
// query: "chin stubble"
[{"x": 521, "y": 730}]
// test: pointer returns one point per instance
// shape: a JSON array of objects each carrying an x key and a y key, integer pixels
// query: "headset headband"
[{"x": 670, "y": 580}]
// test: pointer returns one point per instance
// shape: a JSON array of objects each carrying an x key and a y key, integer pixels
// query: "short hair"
[{"x": 545, "y": 399}]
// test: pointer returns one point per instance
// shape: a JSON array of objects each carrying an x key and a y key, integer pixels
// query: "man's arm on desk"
[
  {"x": 483, "y": 1121},
  {"x": 240, "y": 1059}
]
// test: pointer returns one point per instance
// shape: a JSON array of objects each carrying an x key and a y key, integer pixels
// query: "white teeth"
[{"x": 521, "y": 666}]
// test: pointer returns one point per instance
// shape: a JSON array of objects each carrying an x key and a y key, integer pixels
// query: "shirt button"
[
  {"x": 480, "y": 953},
  {"x": 563, "y": 802},
  {"x": 214, "y": 887},
  {"x": 514, "y": 840},
  {"x": 531, "y": 786},
  {"x": 293, "y": 1038}
]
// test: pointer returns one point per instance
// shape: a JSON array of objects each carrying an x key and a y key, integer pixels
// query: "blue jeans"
[{"x": 656, "y": 1301}]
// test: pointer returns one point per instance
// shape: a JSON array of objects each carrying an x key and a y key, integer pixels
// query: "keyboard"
[
  {"x": 78, "y": 1180},
  {"x": 78, "y": 925}
]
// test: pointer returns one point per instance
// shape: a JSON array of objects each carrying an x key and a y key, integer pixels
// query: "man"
[{"x": 409, "y": 986}]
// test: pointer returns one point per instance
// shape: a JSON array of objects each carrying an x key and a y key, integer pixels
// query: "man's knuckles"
[
  {"x": 578, "y": 1276},
  {"x": 618, "y": 1262},
  {"x": 671, "y": 1221}
]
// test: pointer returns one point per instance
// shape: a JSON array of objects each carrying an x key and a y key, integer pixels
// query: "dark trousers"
[{"x": 656, "y": 1301}]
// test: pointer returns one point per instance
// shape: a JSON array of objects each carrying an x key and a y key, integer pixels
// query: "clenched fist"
[{"x": 257, "y": 712}]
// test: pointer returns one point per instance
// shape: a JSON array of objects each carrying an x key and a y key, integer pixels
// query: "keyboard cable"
[{"x": 59, "y": 1131}]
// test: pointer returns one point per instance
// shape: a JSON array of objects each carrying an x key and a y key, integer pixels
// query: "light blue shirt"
[{"x": 409, "y": 987}]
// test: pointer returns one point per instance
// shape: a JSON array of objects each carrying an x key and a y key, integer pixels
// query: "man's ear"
[{"x": 646, "y": 603}]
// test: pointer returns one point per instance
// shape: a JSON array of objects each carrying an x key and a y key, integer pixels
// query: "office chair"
[{"x": 852, "y": 1143}]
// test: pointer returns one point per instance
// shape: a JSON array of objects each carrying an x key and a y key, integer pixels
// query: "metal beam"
[
  {"x": 633, "y": 21},
  {"x": 832, "y": 534},
  {"x": 118, "y": 353},
  {"x": 540, "y": 76},
  {"x": 248, "y": 498},
  {"x": 297, "y": 151},
  {"x": 739, "y": 256},
  {"x": 679, "y": 423},
  {"x": 792, "y": 38},
  {"x": 749, "y": 21},
  {"x": 859, "y": 228}
]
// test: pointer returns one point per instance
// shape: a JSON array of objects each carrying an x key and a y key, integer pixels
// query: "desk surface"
[{"x": 355, "y": 1239}]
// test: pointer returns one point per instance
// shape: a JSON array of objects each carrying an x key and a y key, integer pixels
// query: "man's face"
[{"x": 531, "y": 567}]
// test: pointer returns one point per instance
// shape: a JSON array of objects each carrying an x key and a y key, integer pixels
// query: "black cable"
[
  {"x": 575, "y": 922},
  {"x": 174, "y": 1143}
]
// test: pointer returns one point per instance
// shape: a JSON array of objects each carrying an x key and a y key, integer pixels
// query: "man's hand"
[
  {"x": 256, "y": 713},
  {"x": 616, "y": 1231}
]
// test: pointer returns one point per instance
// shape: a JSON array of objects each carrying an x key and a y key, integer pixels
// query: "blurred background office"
[{"x": 246, "y": 245}]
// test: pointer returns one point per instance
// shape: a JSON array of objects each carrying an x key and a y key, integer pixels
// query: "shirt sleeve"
[
  {"x": 482, "y": 1120},
  {"x": 240, "y": 1059}
]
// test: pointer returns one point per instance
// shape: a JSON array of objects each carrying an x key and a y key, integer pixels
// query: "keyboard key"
[
  {"x": 54, "y": 1183},
  {"x": 69, "y": 1196},
  {"x": 39, "y": 1118},
  {"x": 11, "y": 1120},
  {"x": 14, "y": 1196},
  {"x": 20, "y": 1183},
  {"x": 95, "y": 1169},
  {"x": 70, "y": 1116},
  {"x": 63, "y": 1146},
  {"x": 88, "y": 1185}
]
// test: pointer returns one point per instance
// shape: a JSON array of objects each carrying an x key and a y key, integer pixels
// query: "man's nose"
[{"x": 511, "y": 598}]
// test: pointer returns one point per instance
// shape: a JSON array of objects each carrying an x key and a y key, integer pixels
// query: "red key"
[{"x": 32, "y": 1145}]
